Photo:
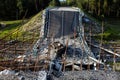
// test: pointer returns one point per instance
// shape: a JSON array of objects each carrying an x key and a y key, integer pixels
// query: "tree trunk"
[
  {"x": 36, "y": 6},
  {"x": 118, "y": 12},
  {"x": 99, "y": 5}
]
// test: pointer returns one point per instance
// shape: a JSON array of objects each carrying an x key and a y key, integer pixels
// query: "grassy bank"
[
  {"x": 112, "y": 27},
  {"x": 19, "y": 28},
  {"x": 9, "y": 27},
  {"x": 111, "y": 30}
]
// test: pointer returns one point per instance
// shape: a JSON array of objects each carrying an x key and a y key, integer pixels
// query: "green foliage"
[
  {"x": 21, "y": 28},
  {"x": 17, "y": 9},
  {"x": 109, "y": 8},
  {"x": 74, "y": 3},
  {"x": 54, "y": 3},
  {"x": 10, "y": 26},
  {"x": 7, "y": 9},
  {"x": 19, "y": 5},
  {"x": 111, "y": 30}
]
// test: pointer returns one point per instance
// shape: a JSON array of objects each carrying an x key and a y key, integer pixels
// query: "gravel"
[
  {"x": 90, "y": 75},
  {"x": 69, "y": 75}
]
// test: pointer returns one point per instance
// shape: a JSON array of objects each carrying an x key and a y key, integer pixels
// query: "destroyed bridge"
[
  {"x": 62, "y": 40},
  {"x": 60, "y": 47}
]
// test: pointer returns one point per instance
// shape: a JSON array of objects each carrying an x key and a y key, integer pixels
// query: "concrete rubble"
[
  {"x": 90, "y": 75},
  {"x": 69, "y": 75},
  {"x": 58, "y": 49}
]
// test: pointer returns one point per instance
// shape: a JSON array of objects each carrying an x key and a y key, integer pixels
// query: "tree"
[
  {"x": 116, "y": 7},
  {"x": 75, "y": 3},
  {"x": 92, "y": 6},
  {"x": 20, "y": 8},
  {"x": 36, "y": 6},
  {"x": 12, "y": 9},
  {"x": 7, "y": 9},
  {"x": 79, "y": 3},
  {"x": 99, "y": 7},
  {"x": 54, "y": 3},
  {"x": 105, "y": 7}
]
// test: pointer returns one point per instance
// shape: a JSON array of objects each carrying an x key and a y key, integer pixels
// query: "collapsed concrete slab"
[{"x": 62, "y": 37}]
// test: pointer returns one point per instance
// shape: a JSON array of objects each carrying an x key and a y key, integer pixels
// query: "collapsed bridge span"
[{"x": 62, "y": 37}]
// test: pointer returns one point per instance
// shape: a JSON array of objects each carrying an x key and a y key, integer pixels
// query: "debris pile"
[
  {"x": 61, "y": 53},
  {"x": 69, "y": 75},
  {"x": 90, "y": 75}
]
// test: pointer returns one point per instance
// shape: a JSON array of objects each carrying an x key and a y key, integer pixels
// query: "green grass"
[
  {"x": 10, "y": 26},
  {"x": 117, "y": 65},
  {"x": 111, "y": 30},
  {"x": 11, "y": 22},
  {"x": 23, "y": 27},
  {"x": 29, "y": 25}
]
